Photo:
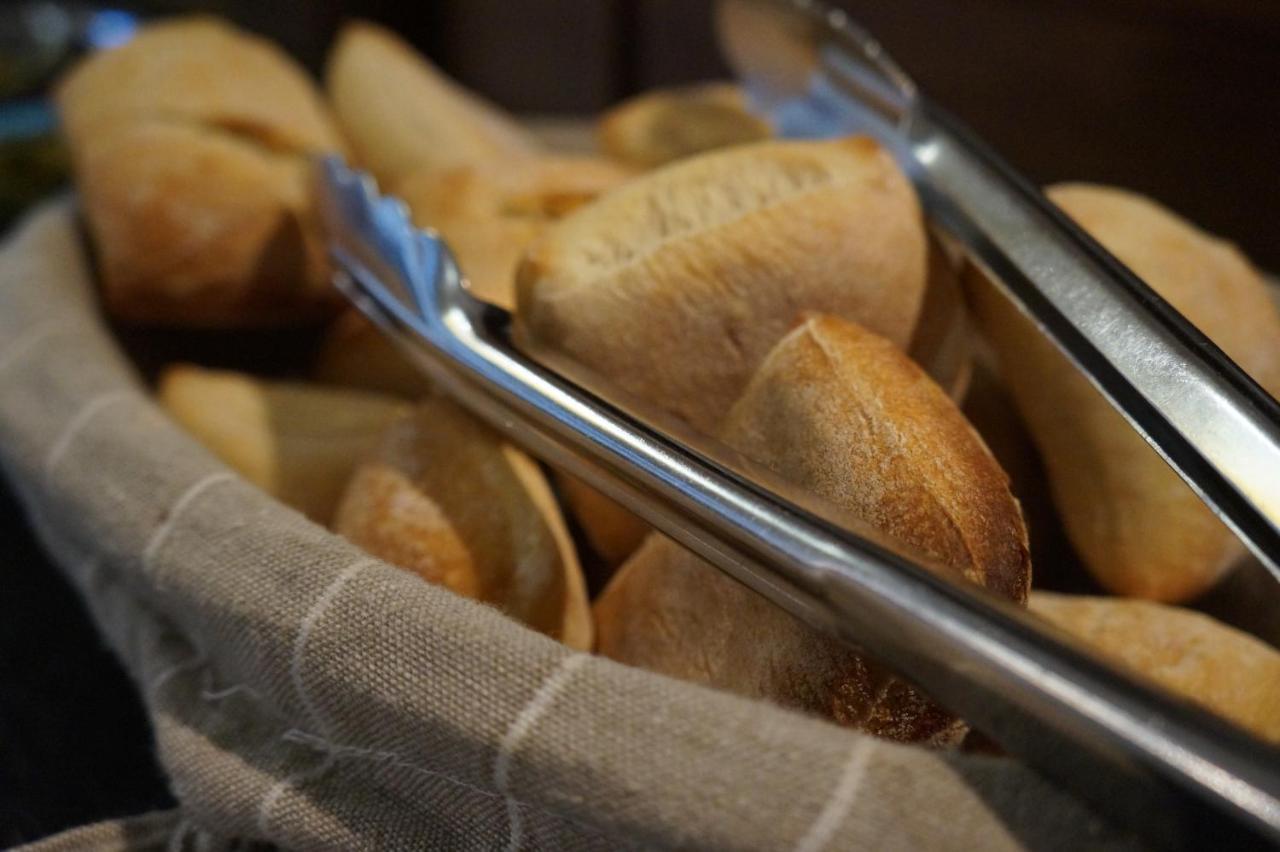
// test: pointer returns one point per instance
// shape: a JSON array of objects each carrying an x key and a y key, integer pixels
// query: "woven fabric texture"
[{"x": 305, "y": 694}]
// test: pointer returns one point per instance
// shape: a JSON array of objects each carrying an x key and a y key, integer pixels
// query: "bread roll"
[
  {"x": 490, "y": 215},
  {"x": 446, "y": 499},
  {"x": 487, "y": 217},
  {"x": 674, "y": 286},
  {"x": 657, "y": 127},
  {"x": 403, "y": 115},
  {"x": 194, "y": 181},
  {"x": 842, "y": 413},
  {"x": 298, "y": 443},
  {"x": 1229, "y": 672},
  {"x": 1140, "y": 530}
]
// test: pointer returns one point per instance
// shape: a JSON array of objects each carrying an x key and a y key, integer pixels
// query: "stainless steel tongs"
[{"x": 1180, "y": 774}]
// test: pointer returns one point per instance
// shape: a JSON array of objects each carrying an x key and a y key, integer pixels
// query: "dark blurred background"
[
  {"x": 1179, "y": 99},
  {"x": 1174, "y": 98}
]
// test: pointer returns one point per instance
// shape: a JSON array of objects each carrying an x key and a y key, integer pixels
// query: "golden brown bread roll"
[
  {"x": 403, "y": 115},
  {"x": 674, "y": 286},
  {"x": 842, "y": 413},
  {"x": 445, "y": 498},
  {"x": 298, "y": 443},
  {"x": 490, "y": 215},
  {"x": 655, "y": 128},
  {"x": 194, "y": 181},
  {"x": 1140, "y": 530},
  {"x": 1232, "y": 673}
]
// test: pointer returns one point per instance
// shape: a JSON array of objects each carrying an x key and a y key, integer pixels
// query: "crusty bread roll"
[
  {"x": 403, "y": 115},
  {"x": 655, "y": 128},
  {"x": 194, "y": 181},
  {"x": 445, "y": 498},
  {"x": 1232, "y": 673},
  {"x": 1140, "y": 530},
  {"x": 490, "y": 215},
  {"x": 674, "y": 286},
  {"x": 298, "y": 443},
  {"x": 842, "y": 413}
]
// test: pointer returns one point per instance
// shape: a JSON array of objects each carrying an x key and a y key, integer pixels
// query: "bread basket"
[{"x": 308, "y": 695}]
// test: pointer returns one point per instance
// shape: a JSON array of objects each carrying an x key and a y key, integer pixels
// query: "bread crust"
[
  {"x": 299, "y": 443},
  {"x": 1229, "y": 672},
  {"x": 194, "y": 181},
  {"x": 843, "y": 414},
  {"x": 659, "y": 127},
  {"x": 403, "y": 115},
  {"x": 675, "y": 286},
  {"x": 1138, "y": 527},
  {"x": 445, "y": 498},
  {"x": 490, "y": 215}
]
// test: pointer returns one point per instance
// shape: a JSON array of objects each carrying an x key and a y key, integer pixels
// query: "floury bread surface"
[
  {"x": 446, "y": 498},
  {"x": 1138, "y": 527},
  {"x": 1228, "y": 671},
  {"x": 403, "y": 115},
  {"x": 195, "y": 181},
  {"x": 674, "y": 286},
  {"x": 297, "y": 442},
  {"x": 842, "y": 413}
]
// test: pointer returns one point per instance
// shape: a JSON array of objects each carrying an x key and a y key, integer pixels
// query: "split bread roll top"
[
  {"x": 195, "y": 181},
  {"x": 658, "y": 127},
  {"x": 1229, "y": 672},
  {"x": 403, "y": 115},
  {"x": 445, "y": 498},
  {"x": 299, "y": 443},
  {"x": 842, "y": 413},
  {"x": 674, "y": 286},
  {"x": 1138, "y": 527}
]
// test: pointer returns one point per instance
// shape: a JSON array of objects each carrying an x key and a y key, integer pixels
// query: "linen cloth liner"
[{"x": 305, "y": 694}]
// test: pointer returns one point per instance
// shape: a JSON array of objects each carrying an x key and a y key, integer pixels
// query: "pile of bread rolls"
[{"x": 783, "y": 297}]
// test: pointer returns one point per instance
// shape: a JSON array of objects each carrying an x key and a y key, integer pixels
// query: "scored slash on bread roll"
[
  {"x": 842, "y": 413},
  {"x": 298, "y": 443},
  {"x": 195, "y": 181},
  {"x": 1138, "y": 527},
  {"x": 403, "y": 115},
  {"x": 1229, "y": 672},
  {"x": 446, "y": 499},
  {"x": 655, "y": 128},
  {"x": 674, "y": 286}
]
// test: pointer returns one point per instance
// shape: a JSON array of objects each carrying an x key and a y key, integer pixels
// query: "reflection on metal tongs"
[{"x": 1159, "y": 764}]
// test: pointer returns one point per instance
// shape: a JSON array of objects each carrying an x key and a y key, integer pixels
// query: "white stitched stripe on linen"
[
  {"x": 837, "y": 807},
  {"x": 31, "y": 338},
  {"x": 76, "y": 424},
  {"x": 195, "y": 661},
  {"x": 279, "y": 788},
  {"x": 175, "y": 513},
  {"x": 309, "y": 622},
  {"x": 520, "y": 728}
]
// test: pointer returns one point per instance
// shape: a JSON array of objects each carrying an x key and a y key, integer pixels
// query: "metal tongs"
[{"x": 1154, "y": 762}]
